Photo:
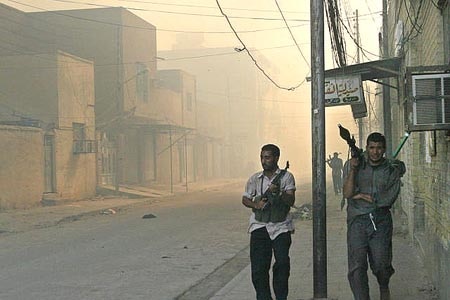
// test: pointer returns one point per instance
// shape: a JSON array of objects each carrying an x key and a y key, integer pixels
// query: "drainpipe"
[{"x": 386, "y": 89}]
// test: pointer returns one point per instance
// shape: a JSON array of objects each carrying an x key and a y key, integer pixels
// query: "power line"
[
  {"x": 337, "y": 39},
  {"x": 292, "y": 35},
  {"x": 250, "y": 98},
  {"x": 413, "y": 23},
  {"x": 224, "y": 32},
  {"x": 159, "y": 29},
  {"x": 415, "y": 26},
  {"x": 435, "y": 4},
  {"x": 370, "y": 12},
  {"x": 211, "y": 7},
  {"x": 364, "y": 51},
  {"x": 141, "y": 27},
  {"x": 83, "y": 65},
  {"x": 170, "y": 12},
  {"x": 251, "y": 56},
  {"x": 214, "y": 7}
]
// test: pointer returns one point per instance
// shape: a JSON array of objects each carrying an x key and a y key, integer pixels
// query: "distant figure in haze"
[
  {"x": 335, "y": 163},
  {"x": 270, "y": 194}
]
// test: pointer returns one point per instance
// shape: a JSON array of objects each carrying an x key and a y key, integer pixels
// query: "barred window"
[{"x": 141, "y": 82}]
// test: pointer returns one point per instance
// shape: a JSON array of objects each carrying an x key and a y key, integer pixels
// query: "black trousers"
[
  {"x": 369, "y": 246},
  {"x": 337, "y": 182},
  {"x": 261, "y": 248}
]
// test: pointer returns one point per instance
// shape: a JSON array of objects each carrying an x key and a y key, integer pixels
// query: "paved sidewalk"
[{"x": 408, "y": 283}]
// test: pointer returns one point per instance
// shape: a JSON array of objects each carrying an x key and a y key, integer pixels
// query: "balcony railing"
[{"x": 84, "y": 146}]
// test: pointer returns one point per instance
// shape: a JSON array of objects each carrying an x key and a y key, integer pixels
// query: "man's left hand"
[{"x": 364, "y": 197}]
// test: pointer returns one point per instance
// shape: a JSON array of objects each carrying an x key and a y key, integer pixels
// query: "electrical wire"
[
  {"x": 292, "y": 35},
  {"x": 204, "y": 6},
  {"x": 364, "y": 51},
  {"x": 83, "y": 64},
  {"x": 250, "y": 98},
  {"x": 351, "y": 34},
  {"x": 337, "y": 39},
  {"x": 170, "y": 12},
  {"x": 435, "y": 4},
  {"x": 147, "y": 28},
  {"x": 414, "y": 24},
  {"x": 370, "y": 12},
  {"x": 252, "y": 57}
]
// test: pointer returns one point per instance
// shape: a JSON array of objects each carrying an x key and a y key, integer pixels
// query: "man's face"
[
  {"x": 375, "y": 152},
  {"x": 269, "y": 162}
]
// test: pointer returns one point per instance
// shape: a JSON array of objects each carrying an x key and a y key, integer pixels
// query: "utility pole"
[
  {"x": 358, "y": 38},
  {"x": 369, "y": 107},
  {"x": 386, "y": 90},
  {"x": 229, "y": 128},
  {"x": 358, "y": 60},
  {"x": 318, "y": 149}
]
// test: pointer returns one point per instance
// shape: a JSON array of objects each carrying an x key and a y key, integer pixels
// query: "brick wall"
[{"x": 425, "y": 197}]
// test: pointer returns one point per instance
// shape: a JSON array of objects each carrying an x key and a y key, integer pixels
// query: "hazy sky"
[{"x": 259, "y": 24}]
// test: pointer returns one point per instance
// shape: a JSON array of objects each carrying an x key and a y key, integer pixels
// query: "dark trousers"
[
  {"x": 261, "y": 247},
  {"x": 337, "y": 182},
  {"x": 365, "y": 243}
]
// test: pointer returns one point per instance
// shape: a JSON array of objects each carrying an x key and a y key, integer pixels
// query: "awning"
[
  {"x": 377, "y": 69},
  {"x": 160, "y": 126}
]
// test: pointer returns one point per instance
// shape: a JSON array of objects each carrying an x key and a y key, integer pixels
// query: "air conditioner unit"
[{"x": 429, "y": 102}]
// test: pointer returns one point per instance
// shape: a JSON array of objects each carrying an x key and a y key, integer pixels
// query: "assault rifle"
[{"x": 276, "y": 180}]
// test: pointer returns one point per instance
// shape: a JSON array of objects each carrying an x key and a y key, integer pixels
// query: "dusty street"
[
  {"x": 123, "y": 256},
  {"x": 192, "y": 246}
]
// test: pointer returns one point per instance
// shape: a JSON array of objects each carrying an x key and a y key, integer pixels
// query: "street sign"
[{"x": 343, "y": 90}]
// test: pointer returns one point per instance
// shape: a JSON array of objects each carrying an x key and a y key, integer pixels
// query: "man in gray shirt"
[{"x": 371, "y": 187}]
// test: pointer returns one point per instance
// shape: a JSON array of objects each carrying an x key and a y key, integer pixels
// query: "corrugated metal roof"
[{"x": 369, "y": 70}]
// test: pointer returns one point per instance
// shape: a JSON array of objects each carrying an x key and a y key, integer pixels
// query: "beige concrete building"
[
  {"x": 53, "y": 92},
  {"x": 135, "y": 117},
  {"x": 233, "y": 87},
  {"x": 210, "y": 143}
]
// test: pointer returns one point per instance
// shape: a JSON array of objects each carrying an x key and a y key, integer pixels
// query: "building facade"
[
  {"x": 419, "y": 33},
  {"x": 55, "y": 93},
  {"x": 135, "y": 117}
]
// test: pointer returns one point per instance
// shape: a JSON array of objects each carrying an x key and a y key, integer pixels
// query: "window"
[
  {"x": 428, "y": 100},
  {"x": 189, "y": 101},
  {"x": 431, "y": 99},
  {"x": 80, "y": 144},
  {"x": 141, "y": 82},
  {"x": 78, "y": 131}
]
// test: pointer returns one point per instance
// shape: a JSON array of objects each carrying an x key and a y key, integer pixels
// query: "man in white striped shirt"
[{"x": 270, "y": 194}]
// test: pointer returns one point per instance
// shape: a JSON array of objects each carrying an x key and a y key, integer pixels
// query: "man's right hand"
[
  {"x": 354, "y": 163},
  {"x": 254, "y": 203},
  {"x": 260, "y": 204}
]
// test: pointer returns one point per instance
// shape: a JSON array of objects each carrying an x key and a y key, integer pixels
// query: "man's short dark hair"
[
  {"x": 272, "y": 148},
  {"x": 376, "y": 137}
]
